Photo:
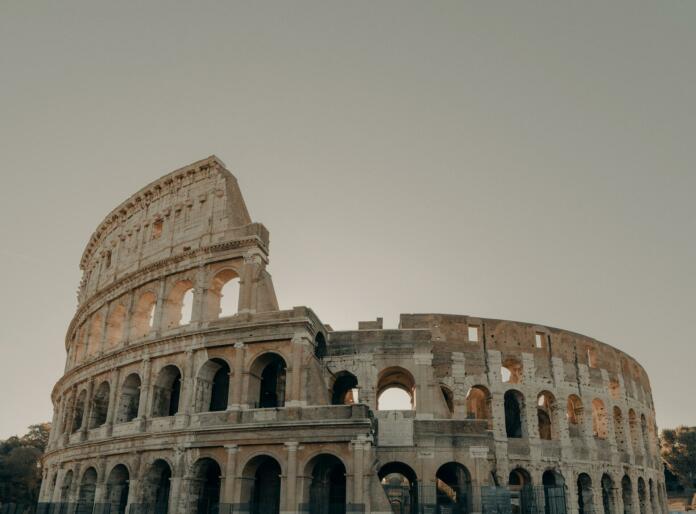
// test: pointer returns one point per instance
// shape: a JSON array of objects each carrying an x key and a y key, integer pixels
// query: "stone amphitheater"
[{"x": 188, "y": 390}]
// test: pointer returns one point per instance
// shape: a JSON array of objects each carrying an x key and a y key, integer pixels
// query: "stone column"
[
  {"x": 70, "y": 413},
  {"x": 186, "y": 399},
  {"x": 358, "y": 464},
  {"x": 230, "y": 474},
  {"x": 102, "y": 338},
  {"x": 424, "y": 400},
  {"x": 289, "y": 499},
  {"x": 100, "y": 490},
  {"x": 236, "y": 383},
  {"x": 113, "y": 397},
  {"x": 247, "y": 282},
  {"x": 481, "y": 467},
  {"x": 144, "y": 407},
  {"x": 295, "y": 396},
  {"x": 130, "y": 304},
  {"x": 200, "y": 292},
  {"x": 572, "y": 492},
  {"x": 159, "y": 308},
  {"x": 177, "y": 496}
]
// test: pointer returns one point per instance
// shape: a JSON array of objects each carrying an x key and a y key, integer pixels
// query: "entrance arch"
[
  {"x": 267, "y": 381},
  {"x": 400, "y": 484},
  {"x": 261, "y": 485},
  {"x": 585, "y": 499},
  {"x": 88, "y": 487},
  {"x": 156, "y": 487},
  {"x": 205, "y": 487},
  {"x": 117, "y": 489},
  {"x": 326, "y": 485},
  {"x": 453, "y": 488}
]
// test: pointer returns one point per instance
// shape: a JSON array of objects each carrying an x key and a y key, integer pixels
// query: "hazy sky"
[{"x": 532, "y": 161}]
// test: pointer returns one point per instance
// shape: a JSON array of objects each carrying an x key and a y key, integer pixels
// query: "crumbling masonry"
[{"x": 174, "y": 402}]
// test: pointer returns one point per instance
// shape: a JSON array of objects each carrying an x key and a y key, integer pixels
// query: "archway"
[
  {"x": 453, "y": 488},
  {"x": 167, "y": 390},
  {"x": 143, "y": 315},
  {"x": 267, "y": 381},
  {"x": 117, "y": 489},
  {"x": 396, "y": 389},
  {"x": 100, "y": 405},
  {"x": 522, "y": 497},
  {"x": 546, "y": 416},
  {"x": 223, "y": 295},
  {"x": 205, "y": 487},
  {"x": 642, "y": 496},
  {"x": 345, "y": 389},
  {"x": 627, "y": 494},
  {"x": 600, "y": 428},
  {"x": 65, "y": 486},
  {"x": 554, "y": 492},
  {"x": 114, "y": 325},
  {"x": 478, "y": 404},
  {"x": 261, "y": 485},
  {"x": 85, "y": 497},
  {"x": 514, "y": 414},
  {"x": 400, "y": 484},
  {"x": 156, "y": 488},
  {"x": 585, "y": 499},
  {"x": 607, "y": 494},
  {"x": 619, "y": 429},
  {"x": 178, "y": 306},
  {"x": 574, "y": 413},
  {"x": 79, "y": 411},
  {"x": 213, "y": 385},
  {"x": 327, "y": 485},
  {"x": 319, "y": 346},
  {"x": 129, "y": 402}
]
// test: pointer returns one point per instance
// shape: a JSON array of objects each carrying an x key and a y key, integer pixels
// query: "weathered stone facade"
[{"x": 170, "y": 404}]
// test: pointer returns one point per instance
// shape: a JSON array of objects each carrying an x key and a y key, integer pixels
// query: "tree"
[
  {"x": 678, "y": 448},
  {"x": 20, "y": 465}
]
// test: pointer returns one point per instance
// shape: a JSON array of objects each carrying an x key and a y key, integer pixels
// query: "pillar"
[
  {"x": 236, "y": 382},
  {"x": 357, "y": 448},
  {"x": 145, "y": 393},
  {"x": 289, "y": 499},
  {"x": 295, "y": 395},
  {"x": 230, "y": 474},
  {"x": 200, "y": 292},
  {"x": 159, "y": 308},
  {"x": 113, "y": 397}
]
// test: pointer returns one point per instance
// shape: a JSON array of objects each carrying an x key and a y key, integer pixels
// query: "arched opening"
[
  {"x": 205, "y": 487},
  {"x": 223, "y": 295},
  {"x": 115, "y": 325},
  {"x": 319, "y": 346},
  {"x": 166, "y": 392},
  {"x": 345, "y": 389},
  {"x": 88, "y": 487},
  {"x": 79, "y": 411},
  {"x": 261, "y": 485},
  {"x": 607, "y": 494},
  {"x": 156, "y": 488},
  {"x": 129, "y": 402},
  {"x": 600, "y": 428},
  {"x": 478, "y": 404},
  {"x": 653, "y": 497},
  {"x": 143, "y": 315},
  {"x": 619, "y": 430},
  {"x": 585, "y": 500},
  {"x": 327, "y": 487},
  {"x": 400, "y": 484},
  {"x": 554, "y": 492},
  {"x": 522, "y": 499},
  {"x": 633, "y": 427},
  {"x": 65, "y": 487},
  {"x": 95, "y": 335},
  {"x": 453, "y": 488},
  {"x": 644, "y": 432},
  {"x": 574, "y": 414},
  {"x": 213, "y": 386},
  {"x": 117, "y": 489},
  {"x": 627, "y": 494},
  {"x": 546, "y": 416},
  {"x": 515, "y": 423},
  {"x": 614, "y": 389},
  {"x": 100, "y": 405},
  {"x": 396, "y": 390},
  {"x": 178, "y": 306},
  {"x": 642, "y": 496},
  {"x": 448, "y": 396},
  {"x": 267, "y": 378},
  {"x": 511, "y": 371}
]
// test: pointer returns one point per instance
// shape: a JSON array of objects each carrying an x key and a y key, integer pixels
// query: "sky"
[{"x": 532, "y": 161}]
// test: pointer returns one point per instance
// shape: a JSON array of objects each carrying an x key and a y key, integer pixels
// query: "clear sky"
[{"x": 532, "y": 161}]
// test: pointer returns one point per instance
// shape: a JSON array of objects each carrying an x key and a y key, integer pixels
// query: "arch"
[
  {"x": 178, "y": 306},
  {"x": 65, "y": 486},
  {"x": 554, "y": 492},
  {"x": 325, "y": 491},
  {"x": 575, "y": 415},
  {"x": 585, "y": 499},
  {"x": 129, "y": 401},
  {"x": 212, "y": 386},
  {"x": 619, "y": 432},
  {"x": 205, "y": 486},
  {"x": 478, "y": 404},
  {"x": 79, "y": 411},
  {"x": 95, "y": 335},
  {"x": 511, "y": 371},
  {"x": 600, "y": 427},
  {"x": 267, "y": 377},
  {"x": 115, "y": 325},
  {"x": 520, "y": 485},
  {"x": 117, "y": 489},
  {"x": 653, "y": 498},
  {"x": 261, "y": 485},
  {"x": 100, "y": 405},
  {"x": 642, "y": 496},
  {"x": 608, "y": 500},
  {"x": 391, "y": 381},
  {"x": 143, "y": 315},
  {"x": 633, "y": 428},
  {"x": 156, "y": 487},
  {"x": 319, "y": 346},
  {"x": 167, "y": 389},
  {"x": 88, "y": 486},
  {"x": 644, "y": 433},
  {"x": 515, "y": 420},
  {"x": 546, "y": 416},
  {"x": 627, "y": 494},
  {"x": 223, "y": 294},
  {"x": 453, "y": 488},
  {"x": 345, "y": 389},
  {"x": 400, "y": 484}
]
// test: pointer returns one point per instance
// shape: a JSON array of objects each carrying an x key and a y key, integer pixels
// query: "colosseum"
[{"x": 188, "y": 390}]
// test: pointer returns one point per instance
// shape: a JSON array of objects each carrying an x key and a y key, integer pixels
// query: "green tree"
[
  {"x": 20, "y": 465},
  {"x": 678, "y": 448}
]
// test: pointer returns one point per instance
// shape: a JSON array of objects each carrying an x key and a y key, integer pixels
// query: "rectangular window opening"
[{"x": 473, "y": 334}]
